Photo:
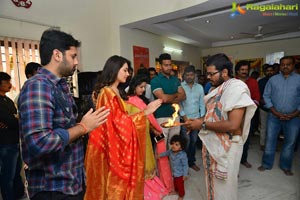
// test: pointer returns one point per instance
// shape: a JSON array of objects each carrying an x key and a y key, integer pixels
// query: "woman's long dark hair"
[
  {"x": 135, "y": 81},
  {"x": 110, "y": 73}
]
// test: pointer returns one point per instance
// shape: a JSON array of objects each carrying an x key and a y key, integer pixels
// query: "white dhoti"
[{"x": 221, "y": 155}]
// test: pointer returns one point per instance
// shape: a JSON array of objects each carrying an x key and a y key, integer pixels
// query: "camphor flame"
[{"x": 171, "y": 121}]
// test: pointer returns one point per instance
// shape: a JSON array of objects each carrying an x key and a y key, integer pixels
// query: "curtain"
[{"x": 15, "y": 54}]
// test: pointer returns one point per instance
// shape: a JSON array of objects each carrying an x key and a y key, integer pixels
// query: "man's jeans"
[
  {"x": 191, "y": 139},
  {"x": 8, "y": 161},
  {"x": 290, "y": 130}
]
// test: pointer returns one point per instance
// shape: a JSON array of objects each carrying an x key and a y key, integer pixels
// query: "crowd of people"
[{"x": 130, "y": 154}]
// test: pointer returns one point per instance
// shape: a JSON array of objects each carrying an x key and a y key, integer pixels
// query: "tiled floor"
[{"x": 253, "y": 184}]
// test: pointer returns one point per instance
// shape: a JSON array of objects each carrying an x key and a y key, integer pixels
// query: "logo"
[
  {"x": 236, "y": 10},
  {"x": 265, "y": 9}
]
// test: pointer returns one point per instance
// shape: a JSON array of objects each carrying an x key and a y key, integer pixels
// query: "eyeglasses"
[{"x": 211, "y": 73}]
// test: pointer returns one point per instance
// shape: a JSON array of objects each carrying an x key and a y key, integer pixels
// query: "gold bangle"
[{"x": 83, "y": 126}]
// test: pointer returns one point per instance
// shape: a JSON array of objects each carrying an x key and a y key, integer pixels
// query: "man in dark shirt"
[
  {"x": 168, "y": 88},
  {"x": 9, "y": 142},
  {"x": 263, "y": 112}
]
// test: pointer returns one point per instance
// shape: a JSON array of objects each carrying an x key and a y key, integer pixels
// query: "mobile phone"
[{"x": 159, "y": 138}]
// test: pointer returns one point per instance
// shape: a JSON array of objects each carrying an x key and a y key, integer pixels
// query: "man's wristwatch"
[{"x": 203, "y": 126}]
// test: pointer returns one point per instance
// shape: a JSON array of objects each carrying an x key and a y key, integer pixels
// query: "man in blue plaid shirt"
[{"x": 51, "y": 139}]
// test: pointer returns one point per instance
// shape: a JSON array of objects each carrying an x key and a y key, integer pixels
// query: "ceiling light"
[
  {"x": 207, "y": 21},
  {"x": 170, "y": 49},
  {"x": 232, "y": 37}
]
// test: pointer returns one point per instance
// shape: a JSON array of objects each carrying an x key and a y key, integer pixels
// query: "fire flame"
[{"x": 171, "y": 121}]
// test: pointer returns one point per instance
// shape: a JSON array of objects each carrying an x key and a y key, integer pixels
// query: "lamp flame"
[{"x": 171, "y": 121}]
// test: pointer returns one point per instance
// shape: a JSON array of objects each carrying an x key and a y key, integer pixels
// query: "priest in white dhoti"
[{"x": 224, "y": 129}]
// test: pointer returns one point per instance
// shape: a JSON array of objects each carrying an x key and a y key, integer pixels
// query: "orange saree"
[{"x": 114, "y": 161}]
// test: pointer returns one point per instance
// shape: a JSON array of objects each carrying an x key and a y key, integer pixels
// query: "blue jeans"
[
  {"x": 8, "y": 161},
  {"x": 191, "y": 139},
  {"x": 290, "y": 130}
]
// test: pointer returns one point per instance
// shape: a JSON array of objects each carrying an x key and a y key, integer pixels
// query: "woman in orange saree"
[{"x": 114, "y": 159}]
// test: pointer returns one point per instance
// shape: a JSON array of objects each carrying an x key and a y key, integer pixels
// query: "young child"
[{"x": 179, "y": 163}]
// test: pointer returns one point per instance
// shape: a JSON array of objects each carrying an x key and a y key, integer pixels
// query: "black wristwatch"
[{"x": 203, "y": 126}]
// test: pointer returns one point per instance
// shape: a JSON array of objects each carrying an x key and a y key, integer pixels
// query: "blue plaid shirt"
[{"x": 46, "y": 112}]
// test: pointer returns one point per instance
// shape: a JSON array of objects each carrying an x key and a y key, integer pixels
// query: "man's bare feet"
[
  {"x": 195, "y": 167},
  {"x": 261, "y": 168},
  {"x": 287, "y": 172},
  {"x": 246, "y": 164}
]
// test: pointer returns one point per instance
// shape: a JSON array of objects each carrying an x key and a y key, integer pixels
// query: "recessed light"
[{"x": 207, "y": 21}]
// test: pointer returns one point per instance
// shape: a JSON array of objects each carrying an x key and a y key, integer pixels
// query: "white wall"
[
  {"x": 128, "y": 11},
  {"x": 257, "y": 50},
  {"x": 95, "y": 22},
  {"x": 155, "y": 43},
  {"x": 86, "y": 21}
]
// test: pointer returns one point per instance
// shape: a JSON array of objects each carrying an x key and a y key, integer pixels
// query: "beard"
[
  {"x": 65, "y": 70},
  {"x": 189, "y": 81},
  {"x": 166, "y": 72},
  {"x": 218, "y": 82}
]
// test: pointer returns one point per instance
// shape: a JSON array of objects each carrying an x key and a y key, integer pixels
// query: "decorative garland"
[{"x": 22, "y": 3}]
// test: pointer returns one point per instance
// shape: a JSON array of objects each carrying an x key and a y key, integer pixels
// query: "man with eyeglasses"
[{"x": 224, "y": 129}]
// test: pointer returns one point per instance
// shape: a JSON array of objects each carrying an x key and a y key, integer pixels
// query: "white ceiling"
[{"x": 189, "y": 25}]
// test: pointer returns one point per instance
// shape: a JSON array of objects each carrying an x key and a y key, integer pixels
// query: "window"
[{"x": 15, "y": 53}]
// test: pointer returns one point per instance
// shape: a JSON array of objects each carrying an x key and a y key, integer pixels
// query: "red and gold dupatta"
[{"x": 113, "y": 159}]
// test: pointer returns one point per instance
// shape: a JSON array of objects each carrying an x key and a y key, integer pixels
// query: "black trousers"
[
  {"x": 247, "y": 143},
  {"x": 57, "y": 196}
]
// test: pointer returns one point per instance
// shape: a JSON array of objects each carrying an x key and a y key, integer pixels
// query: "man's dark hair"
[
  {"x": 254, "y": 74},
  {"x": 266, "y": 66},
  {"x": 144, "y": 72},
  {"x": 190, "y": 68},
  {"x": 240, "y": 64},
  {"x": 287, "y": 57},
  {"x": 4, "y": 77},
  {"x": 31, "y": 68},
  {"x": 152, "y": 69},
  {"x": 178, "y": 138},
  {"x": 164, "y": 56},
  {"x": 220, "y": 61},
  {"x": 55, "y": 39}
]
